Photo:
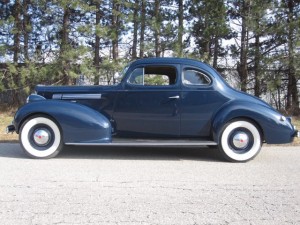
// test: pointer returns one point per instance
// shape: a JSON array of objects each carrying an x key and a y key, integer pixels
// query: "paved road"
[{"x": 149, "y": 186}]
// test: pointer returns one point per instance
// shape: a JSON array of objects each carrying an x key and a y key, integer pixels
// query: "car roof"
[{"x": 169, "y": 60}]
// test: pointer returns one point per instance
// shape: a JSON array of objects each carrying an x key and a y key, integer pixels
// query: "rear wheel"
[
  {"x": 240, "y": 141},
  {"x": 40, "y": 137}
]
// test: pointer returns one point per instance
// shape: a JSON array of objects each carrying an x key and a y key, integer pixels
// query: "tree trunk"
[
  {"x": 17, "y": 30},
  {"x": 206, "y": 43},
  {"x": 115, "y": 24},
  {"x": 26, "y": 25},
  {"x": 97, "y": 45},
  {"x": 16, "y": 93},
  {"x": 135, "y": 29},
  {"x": 143, "y": 27},
  {"x": 65, "y": 46},
  {"x": 157, "y": 28},
  {"x": 216, "y": 52},
  {"x": 180, "y": 28},
  {"x": 242, "y": 67},
  {"x": 257, "y": 77},
  {"x": 65, "y": 29},
  {"x": 292, "y": 94}
]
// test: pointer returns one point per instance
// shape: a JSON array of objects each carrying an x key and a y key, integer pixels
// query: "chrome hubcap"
[
  {"x": 41, "y": 137},
  {"x": 240, "y": 140}
]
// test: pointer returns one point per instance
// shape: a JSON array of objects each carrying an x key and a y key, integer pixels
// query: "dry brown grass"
[
  {"x": 296, "y": 122},
  {"x": 7, "y": 117}
]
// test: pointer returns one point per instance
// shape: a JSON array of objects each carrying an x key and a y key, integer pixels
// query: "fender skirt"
[{"x": 78, "y": 123}]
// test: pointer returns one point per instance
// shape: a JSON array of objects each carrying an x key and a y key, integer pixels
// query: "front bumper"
[
  {"x": 296, "y": 134},
  {"x": 10, "y": 129}
]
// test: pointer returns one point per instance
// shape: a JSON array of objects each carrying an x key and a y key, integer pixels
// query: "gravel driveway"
[{"x": 149, "y": 186}]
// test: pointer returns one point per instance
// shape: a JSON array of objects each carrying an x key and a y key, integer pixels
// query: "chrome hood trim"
[{"x": 76, "y": 96}]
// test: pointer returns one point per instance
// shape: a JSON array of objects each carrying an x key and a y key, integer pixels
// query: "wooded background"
[{"x": 255, "y": 44}]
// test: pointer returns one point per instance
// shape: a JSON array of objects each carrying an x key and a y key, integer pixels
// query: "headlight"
[{"x": 34, "y": 98}]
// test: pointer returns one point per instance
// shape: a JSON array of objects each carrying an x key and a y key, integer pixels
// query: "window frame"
[
  {"x": 198, "y": 71},
  {"x": 143, "y": 67},
  {"x": 143, "y": 77}
]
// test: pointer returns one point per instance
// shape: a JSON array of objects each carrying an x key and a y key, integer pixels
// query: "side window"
[
  {"x": 153, "y": 76},
  {"x": 156, "y": 79},
  {"x": 194, "y": 77},
  {"x": 137, "y": 77}
]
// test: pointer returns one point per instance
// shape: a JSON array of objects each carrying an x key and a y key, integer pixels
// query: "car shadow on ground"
[
  {"x": 141, "y": 153},
  {"x": 9, "y": 150}
]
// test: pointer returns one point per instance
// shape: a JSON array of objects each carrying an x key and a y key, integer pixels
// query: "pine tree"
[
  {"x": 208, "y": 29},
  {"x": 180, "y": 28},
  {"x": 143, "y": 28},
  {"x": 291, "y": 20}
]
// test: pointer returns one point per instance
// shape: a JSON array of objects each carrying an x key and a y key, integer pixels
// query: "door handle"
[{"x": 174, "y": 97}]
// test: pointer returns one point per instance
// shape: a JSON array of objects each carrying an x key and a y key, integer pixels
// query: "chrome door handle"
[{"x": 174, "y": 97}]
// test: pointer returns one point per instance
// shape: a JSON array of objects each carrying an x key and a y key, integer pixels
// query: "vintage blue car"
[{"x": 159, "y": 102}]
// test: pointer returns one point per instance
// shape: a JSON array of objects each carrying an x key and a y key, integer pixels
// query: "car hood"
[{"x": 49, "y": 91}]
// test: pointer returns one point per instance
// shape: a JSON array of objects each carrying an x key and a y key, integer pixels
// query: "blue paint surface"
[{"x": 162, "y": 111}]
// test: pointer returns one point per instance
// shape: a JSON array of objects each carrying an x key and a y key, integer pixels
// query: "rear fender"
[
  {"x": 273, "y": 129},
  {"x": 78, "y": 123}
]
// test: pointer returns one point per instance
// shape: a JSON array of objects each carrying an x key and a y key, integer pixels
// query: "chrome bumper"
[
  {"x": 296, "y": 134},
  {"x": 10, "y": 129}
]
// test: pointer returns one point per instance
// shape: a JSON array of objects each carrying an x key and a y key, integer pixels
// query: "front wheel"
[
  {"x": 40, "y": 137},
  {"x": 240, "y": 141}
]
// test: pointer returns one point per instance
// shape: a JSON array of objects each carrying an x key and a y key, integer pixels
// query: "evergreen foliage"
[{"x": 54, "y": 42}]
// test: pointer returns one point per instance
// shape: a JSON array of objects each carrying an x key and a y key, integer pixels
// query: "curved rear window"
[{"x": 194, "y": 77}]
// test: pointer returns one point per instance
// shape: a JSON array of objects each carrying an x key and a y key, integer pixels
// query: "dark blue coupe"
[{"x": 159, "y": 102}]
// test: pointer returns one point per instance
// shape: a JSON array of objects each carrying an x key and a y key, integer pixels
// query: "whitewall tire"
[
  {"x": 40, "y": 137},
  {"x": 240, "y": 141}
]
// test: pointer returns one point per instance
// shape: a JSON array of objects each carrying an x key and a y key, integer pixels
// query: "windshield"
[{"x": 122, "y": 74}]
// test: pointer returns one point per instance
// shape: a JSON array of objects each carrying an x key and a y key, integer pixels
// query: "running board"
[{"x": 150, "y": 143}]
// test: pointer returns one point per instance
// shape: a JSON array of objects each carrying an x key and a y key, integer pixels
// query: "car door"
[
  {"x": 148, "y": 105},
  {"x": 199, "y": 101}
]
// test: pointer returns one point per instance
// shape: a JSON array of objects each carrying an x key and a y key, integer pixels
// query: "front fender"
[
  {"x": 274, "y": 130},
  {"x": 78, "y": 123}
]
